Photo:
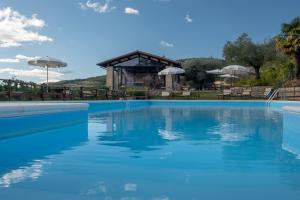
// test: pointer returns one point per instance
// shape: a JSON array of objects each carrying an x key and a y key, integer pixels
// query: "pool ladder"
[{"x": 273, "y": 95}]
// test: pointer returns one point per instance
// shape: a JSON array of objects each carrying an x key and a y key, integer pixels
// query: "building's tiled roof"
[{"x": 135, "y": 54}]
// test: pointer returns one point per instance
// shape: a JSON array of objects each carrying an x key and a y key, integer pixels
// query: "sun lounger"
[
  {"x": 165, "y": 94},
  {"x": 246, "y": 93},
  {"x": 225, "y": 93},
  {"x": 236, "y": 92},
  {"x": 186, "y": 93}
]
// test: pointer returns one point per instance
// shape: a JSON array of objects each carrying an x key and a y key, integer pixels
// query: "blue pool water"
[{"x": 158, "y": 152}]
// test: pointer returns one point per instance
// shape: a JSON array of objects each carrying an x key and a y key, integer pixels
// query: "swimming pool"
[{"x": 158, "y": 150}]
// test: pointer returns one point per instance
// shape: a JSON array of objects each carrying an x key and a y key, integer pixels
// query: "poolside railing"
[{"x": 15, "y": 90}]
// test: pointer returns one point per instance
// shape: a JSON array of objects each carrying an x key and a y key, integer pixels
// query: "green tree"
[
  {"x": 277, "y": 72},
  {"x": 195, "y": 70},
  {"x": 244, "y": 51},
  {"x": 289, "y": 42}
]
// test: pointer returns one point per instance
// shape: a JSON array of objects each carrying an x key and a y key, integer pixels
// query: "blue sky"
[{"x": 84, "y": 32}]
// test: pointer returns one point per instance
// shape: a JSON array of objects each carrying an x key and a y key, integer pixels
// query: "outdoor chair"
[
  {"x": 17, "y": 95},
  {"x": 102, "y": 94},
  {"x": 4, "y": 94},
  {"x": 225, "y": 93},
  {"x": 246, "y": 93},
  {"x": 186, "y": 93},
  {"x": 88, "y": 94},
  {"x": 67, "y": 94},
  {"x": 113, "y": 95},
  {"x": 237, "y": 92}
]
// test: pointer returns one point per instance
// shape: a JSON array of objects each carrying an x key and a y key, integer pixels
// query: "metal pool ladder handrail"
[{"x": 273, "y": 95}]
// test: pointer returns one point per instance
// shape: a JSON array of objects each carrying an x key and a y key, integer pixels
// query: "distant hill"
[
  {"x": 96, "y": 82},
  {"x": 205, "y": 60}
]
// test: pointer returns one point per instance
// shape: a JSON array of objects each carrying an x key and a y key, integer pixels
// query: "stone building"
[{"x": 138, "y": 68}]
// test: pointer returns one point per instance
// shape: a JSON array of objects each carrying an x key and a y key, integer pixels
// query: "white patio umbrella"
[
  {"x": 215, "y": 72},
  {"x": 171, "y": 71},
  {"x": 47, "y": 62},
  {"x": 228, "y": 76},
  {"x": 235, "y": 70}
]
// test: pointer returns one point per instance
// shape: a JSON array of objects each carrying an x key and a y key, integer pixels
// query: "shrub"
[{"x": 136, "y": 91}]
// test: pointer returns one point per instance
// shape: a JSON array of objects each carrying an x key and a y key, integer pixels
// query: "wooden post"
[
  {"x": 121, "y": 76},
  {"x": 81, "y": 93},
  {"x": 106, "y": 93},
  {"x": 169, "y": 82},
  {"x": 42, "y": 93},
  {"x": 9, "y": 90},
  {"x": 96, "y": 93}
]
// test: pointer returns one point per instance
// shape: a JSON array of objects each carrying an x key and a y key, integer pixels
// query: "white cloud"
[
  {"x": 188, "y": 18},
  {"x": 97, "y": 6},
  {"x": 82, "y": 6},
  {"x": 166, "y": 44},
  {"x": 32, "y": 73},
  {"x": 17, "y": 29},
  {"x": 21, "y": 174},
  {"x": 7, "y": 44},
  {"x": 9, "y": 60},
  {"x": 25, "y": 58},
  {"x": 18, "y": 58},
  {"x": 53, "y": 80},
  {"x": 131, "y": 11}
]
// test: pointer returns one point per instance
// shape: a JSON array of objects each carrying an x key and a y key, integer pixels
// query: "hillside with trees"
[{"x": 95, "y": 82}]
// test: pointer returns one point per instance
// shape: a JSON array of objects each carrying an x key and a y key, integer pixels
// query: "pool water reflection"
[{"x": 155, "y": 153}]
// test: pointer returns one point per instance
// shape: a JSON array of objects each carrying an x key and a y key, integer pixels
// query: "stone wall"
[{"x": 109, "y": 78}]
